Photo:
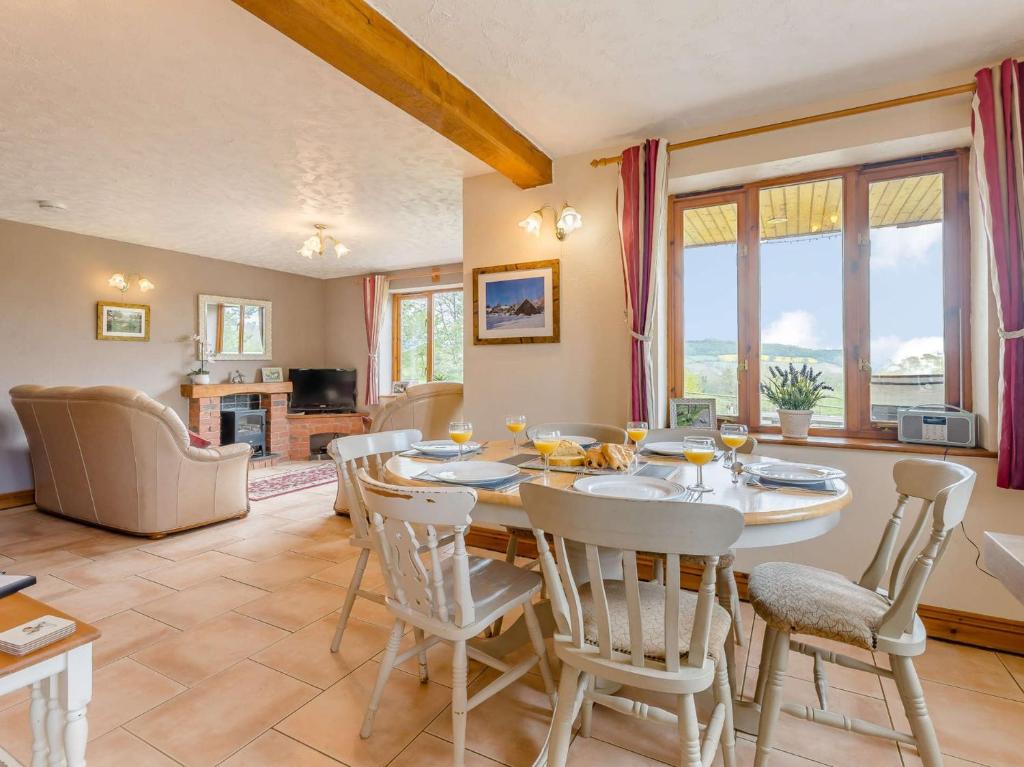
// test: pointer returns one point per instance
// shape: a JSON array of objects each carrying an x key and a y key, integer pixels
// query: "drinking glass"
[
  {"x": 460, "y": 432},
  {"x": 546, "y": 441},
  {"x": 515, "y": 424},
  {"x": 699, "y": 451},
  {"x": 734, "y": 435},
  {"x": 636, "y": 431}
]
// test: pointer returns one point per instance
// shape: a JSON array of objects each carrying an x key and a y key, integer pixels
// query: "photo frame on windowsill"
[{"x": 692, "y": 413}]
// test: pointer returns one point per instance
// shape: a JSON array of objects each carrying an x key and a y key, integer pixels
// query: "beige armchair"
[
  {"x": 115, "y": 457},
  {"x": 427, "y": 407}
]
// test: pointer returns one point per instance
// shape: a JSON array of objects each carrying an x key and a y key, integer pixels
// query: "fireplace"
[{"x": 243, "y": 420}]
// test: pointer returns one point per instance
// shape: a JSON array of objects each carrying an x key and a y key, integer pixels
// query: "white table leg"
[
  {"x": 76, "y": 692},
  {"x": 54, "y": 723},
  {"x": 37, "y": 719}
]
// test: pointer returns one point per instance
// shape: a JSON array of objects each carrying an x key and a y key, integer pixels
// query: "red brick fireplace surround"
[{"x": 288, "y": 434}]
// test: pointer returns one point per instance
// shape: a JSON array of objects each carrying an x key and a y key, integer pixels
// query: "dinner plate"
[
  {"x": 443, "y": 447},
  {"x": 793, "y": 473},
  {"x": 473, "y": 472},
  {"x": 581, "y": 441},
  {"x": 630, "y": 487},
  {"x": 665, "y": 448}
]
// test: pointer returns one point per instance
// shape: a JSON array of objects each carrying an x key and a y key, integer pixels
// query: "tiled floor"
[{"x": 215, "y": 651}]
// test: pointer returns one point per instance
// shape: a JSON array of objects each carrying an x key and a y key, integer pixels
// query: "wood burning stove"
[{"x": 241, "y": 420}]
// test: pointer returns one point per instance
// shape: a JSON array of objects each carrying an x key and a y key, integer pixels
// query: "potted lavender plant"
[
  {"x": 201, "y": 373},
  {"x": 795, "y": 393}
]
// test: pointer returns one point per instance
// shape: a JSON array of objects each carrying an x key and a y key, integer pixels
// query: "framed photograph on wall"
[
  {"x": 516, "y": 303},
  {"x": 271, "y": 375},
  {"x": 121, "y": 322},
  {"x": 692, "y": 413}
]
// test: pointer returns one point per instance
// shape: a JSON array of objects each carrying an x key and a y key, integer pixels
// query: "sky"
[
  {"x": 801, "y": 292},
  {"x": 514, "y": 291}
]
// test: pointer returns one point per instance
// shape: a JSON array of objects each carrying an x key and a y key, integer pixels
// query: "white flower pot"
[
  {"x": 795, "y": 423},
  {"x": 201, "y": 378}
]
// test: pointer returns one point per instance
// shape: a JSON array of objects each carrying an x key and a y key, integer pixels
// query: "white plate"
[
  {"x": 630, "y": 487},
  {"x": 794, "y": 473},
  {"x": 443, "y": 447},
  {"x": 665, "y": 448},
  {"x": 473, "y": 472},
  {"x": 581, "y": 441}
]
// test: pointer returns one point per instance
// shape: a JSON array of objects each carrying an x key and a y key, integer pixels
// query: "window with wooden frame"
[
  {"x": 427, "y": 330},
  {"x": 859, "y": 272}
]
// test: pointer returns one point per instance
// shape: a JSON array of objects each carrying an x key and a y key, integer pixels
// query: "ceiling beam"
[{"x": 357, "y": 40}]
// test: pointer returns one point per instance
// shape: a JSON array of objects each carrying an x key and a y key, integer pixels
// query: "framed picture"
[
  {"x": 399, "y": 387},
  {"x": 692, "y": 412},
  {"x": 516, "y": 303},
  {"x": 121, "y": 322},
  {"x": 271, "y": 375}
]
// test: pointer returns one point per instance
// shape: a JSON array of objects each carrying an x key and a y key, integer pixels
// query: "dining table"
[{"x": 772, "y": 516}]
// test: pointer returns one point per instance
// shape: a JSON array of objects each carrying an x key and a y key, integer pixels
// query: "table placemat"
[{"x": 499, "y": 485}]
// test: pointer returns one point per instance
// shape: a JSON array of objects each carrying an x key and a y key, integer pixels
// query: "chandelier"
[{"x": 317, "y": 244}]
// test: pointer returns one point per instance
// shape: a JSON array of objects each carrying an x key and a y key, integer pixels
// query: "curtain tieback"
[
  {"x": 1008, "y": 334},
  {"x": 641, "y": 337},
  {"x": 373, "y": 355}
]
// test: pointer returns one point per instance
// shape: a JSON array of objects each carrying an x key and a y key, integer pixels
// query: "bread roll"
[{"x": 568, "y": 453}]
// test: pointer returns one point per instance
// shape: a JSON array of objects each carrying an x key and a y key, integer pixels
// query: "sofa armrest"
[{"x": 220, "y": 453}]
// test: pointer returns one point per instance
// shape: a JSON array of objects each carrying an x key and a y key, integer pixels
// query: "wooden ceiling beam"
[{"x": 357, "y": 40}]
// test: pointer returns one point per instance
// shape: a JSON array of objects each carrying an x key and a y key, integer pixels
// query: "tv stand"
[{"x": 302, "y": 427}]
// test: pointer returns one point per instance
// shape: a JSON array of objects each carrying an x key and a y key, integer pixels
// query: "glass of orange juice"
[
  {"x": 546, "y": 441},
  {"x": 734, "y": 435},
  {"x": 515, "y": 424},
  {"x": 699, "y": 451},
  {"x": 460, "y": 432},
  {"x": 636, "y": 431}
]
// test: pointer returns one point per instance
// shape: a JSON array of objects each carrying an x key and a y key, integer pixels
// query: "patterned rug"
[{"x": 292, "y": 481}]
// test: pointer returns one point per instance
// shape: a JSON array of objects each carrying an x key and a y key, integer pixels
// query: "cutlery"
[{"x": 790, "y": 488}]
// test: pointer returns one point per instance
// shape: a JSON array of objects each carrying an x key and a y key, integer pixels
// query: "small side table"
[{"x": 60, "y": 676}]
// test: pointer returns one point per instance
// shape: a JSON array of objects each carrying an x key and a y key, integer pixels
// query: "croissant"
[
  {"x": 618, "y": 457},
  {"x": 595, "y": 458}
]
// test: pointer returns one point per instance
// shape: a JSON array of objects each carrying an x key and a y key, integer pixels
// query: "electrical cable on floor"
[{"x": 977, "y": 549}]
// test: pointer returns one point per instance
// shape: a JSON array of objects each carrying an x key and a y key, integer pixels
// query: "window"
[
  {"x": 861, "y": 273},
  {"x": 427, "y": 333}
]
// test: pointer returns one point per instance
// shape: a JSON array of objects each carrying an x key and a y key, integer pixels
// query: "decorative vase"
[
  {"x": 201, "y": 378},
  {"x": 795, "y": 423}
]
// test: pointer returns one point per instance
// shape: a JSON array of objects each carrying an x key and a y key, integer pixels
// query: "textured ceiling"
[
  {"x": 190, "y": 125},
  {"x": 575, "y": 75}
]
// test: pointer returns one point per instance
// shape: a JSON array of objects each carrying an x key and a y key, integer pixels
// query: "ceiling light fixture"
[
  {"x": 317, "y": 244},
  {"x": 123, "y": 281},
  {"x": 567, "y": 221}
]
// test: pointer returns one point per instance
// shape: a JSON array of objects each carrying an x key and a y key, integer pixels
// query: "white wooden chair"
[
  {"x": 631, "y": 632},
  {"x": 370, "y": 452},
  {"x": 447, "y": 599},
  {"x": 797, "y": 599},
  {"x": 599, "y": 431}
]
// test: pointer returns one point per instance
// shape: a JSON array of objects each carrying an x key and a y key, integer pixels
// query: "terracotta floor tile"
[
  {"x": 47, "y": 542},
  {"x": 194, "y": 570},
  {"x": 277, "y": 571},
  {"x": 109, "y": 567},
  {"x": 119, "y": 748},
  {"x": 745, "y": 756},
  {"x": 190, "y": 543},
  {"x": 968, "y": 667},
  {"x": 326, "y": 527},
  {"x": 125, "y": 633},
  {"x": 487, "y": 730},
  {"x": 106, "y": 543},
  {"x": 585, "y": 752},
  {"x": 648, "y": 738},
  {"x": 47, "y": 563},
  {"x": 184, "y": 609},
  {"x": 341, "y": 574},
  {"x": 312, "y": 509},
  {"x": 97, "y": 602},
  {"x": 1015, "y": 665},
  {"x": 306, "y": 654},
  {"x": 295, "y": 605},
  {"x": 48, "y": 587},
  {"x": 209, "y": 722},
  {"x": 201, "y": 652},
  {"x": 372, "y": 612},
  {"x": 439, "y": 662},
  {"x": 331, "y": 722},
  {"x": 429, "y": 749},
  {"x": 263, "y": 546},
  {"x": 272, "y": 749},
  {"x": 332, "y": 549}
]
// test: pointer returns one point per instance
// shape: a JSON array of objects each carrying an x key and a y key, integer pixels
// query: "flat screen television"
[{"x": 319, "y": 390}]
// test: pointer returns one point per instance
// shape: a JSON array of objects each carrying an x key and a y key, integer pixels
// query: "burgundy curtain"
[
  {"x": 642, "y": 204},
  {"x": 375, "y": 288},
  {"x": 999, "y": 163}
]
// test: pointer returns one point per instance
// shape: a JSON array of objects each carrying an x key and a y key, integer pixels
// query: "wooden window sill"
[{"x": 860, "y": 443}]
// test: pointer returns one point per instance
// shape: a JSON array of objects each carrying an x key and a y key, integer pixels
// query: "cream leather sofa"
[
  {"x": 429, "y": 407},
  {"x": 115, "y": 457}
]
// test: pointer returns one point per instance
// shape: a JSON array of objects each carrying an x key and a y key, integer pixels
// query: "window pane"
[
  {"x": 710, "y": 338},
  {"x": 448, "y": 336},
  {"x": 252, "y": 340},
  {"x": 907, "y": 359},
  {"x": 413, "y": 339},
  {"x": 802, "y": 288},
  {"x": 230, "y": 319}
]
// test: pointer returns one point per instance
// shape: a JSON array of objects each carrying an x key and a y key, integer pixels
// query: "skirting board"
[
  {"x": 17, "y": 498},
  {"x": 986, "y": 631}
]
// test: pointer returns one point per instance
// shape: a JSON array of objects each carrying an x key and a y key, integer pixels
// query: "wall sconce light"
[
  {"x": 567, "y": 221},
  {"x": 122, "y": 282}
]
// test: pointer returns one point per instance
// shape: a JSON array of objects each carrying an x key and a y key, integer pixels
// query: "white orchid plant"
[{"x": 205, "y": 356}]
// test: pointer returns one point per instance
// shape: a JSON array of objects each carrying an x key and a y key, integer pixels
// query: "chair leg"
[
  {"x": 422, "y": 656},
  {"x": 459, "y": 666},
  {"x": 565, "y": 713},
  {"x": 350, "y": 598},
  {"x": 767, "y": 643},
  {"x": 689, "y": 733},
  {"x": 772, "y": 704},
  {"x": 917, "y": 712},
  {"x": 537, "y": 640},
  {"x": 659, "y": 570},
  {"x": 386, "y": 665},
  {"x": 510, "y": 557},
  {"x": 732, "y": 603},
  {"x": 723, "y": 695},
  {"x": 730, "y": 659},
  {"x": 587, "y": 712}
]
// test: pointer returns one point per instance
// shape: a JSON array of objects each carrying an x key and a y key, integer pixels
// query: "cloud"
[
  {"x": 888, "y": 351},
  {"x": 892, "y": 246},
  {"x": 795, "y": 328}
]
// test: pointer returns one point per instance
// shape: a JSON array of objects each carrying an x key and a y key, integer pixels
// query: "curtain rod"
[{"x": 953, "y": 90}]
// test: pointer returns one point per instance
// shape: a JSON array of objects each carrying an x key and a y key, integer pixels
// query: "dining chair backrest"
[
  {"x": 681, "y": 433},
  {"x": 600, "y": 524},
  {"x": 412, "y": 567},
  {"x": 599, "y": 431},
  {"x": 944, "y": 490},
  {"x": 370, "y": 452}
]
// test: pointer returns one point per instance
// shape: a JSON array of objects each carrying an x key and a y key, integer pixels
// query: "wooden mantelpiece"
[{"x": 196, "y": 391}]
